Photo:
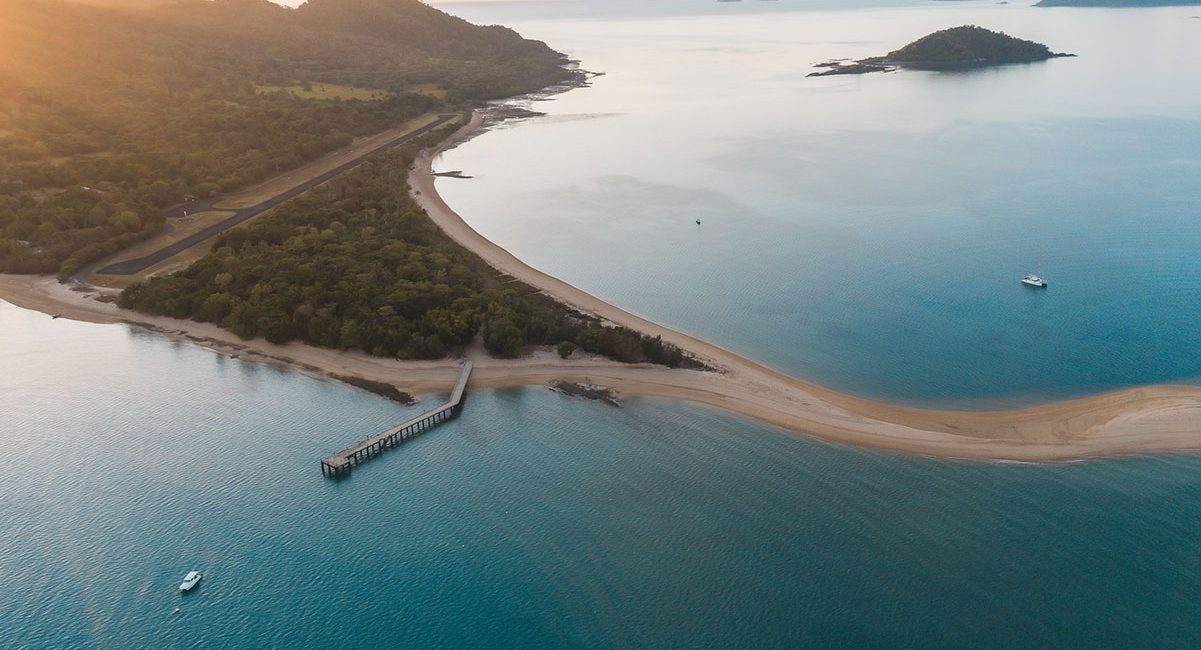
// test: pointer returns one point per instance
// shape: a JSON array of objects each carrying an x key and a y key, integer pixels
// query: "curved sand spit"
[
  {"x": 1142, "y": 420},
  {"x": 1157, "y": 418}
]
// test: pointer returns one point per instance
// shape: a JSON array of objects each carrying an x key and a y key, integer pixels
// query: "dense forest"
[
  {"x": 108, "y": 114},
  {"x": 356, "y": 263}
]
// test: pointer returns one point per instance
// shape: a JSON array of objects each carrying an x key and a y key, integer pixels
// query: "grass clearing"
[
  {"x": 433, "y": 90},
  {"x": 327, "y": 91}
]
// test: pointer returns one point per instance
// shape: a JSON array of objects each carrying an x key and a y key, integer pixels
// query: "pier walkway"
[{"x": 339, "y": 465}]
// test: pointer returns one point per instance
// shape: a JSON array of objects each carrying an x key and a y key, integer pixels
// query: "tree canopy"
[
  {"x": 356, "y": 263},
  {"x": 968, "y": 45},
  {"x": 111, "y": 113}
]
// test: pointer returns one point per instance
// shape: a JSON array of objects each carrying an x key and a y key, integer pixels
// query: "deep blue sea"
[
  {"x": 537, "y": 520},
  {"x": 865, "y": 232}
]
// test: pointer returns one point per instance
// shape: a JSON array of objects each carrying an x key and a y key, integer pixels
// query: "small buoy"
[{"x": 176, "y": 611}]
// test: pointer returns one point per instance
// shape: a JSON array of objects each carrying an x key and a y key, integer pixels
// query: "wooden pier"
[{"x": 339, "y": 465}]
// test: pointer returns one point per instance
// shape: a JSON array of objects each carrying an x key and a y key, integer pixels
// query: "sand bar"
[
  {"x": 1141, "y": 420},
  {"x": 1158, "y": 418}
]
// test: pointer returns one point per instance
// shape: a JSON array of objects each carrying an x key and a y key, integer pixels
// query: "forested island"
[
  {"x": 112, "y": 113},
  {"x": 969, "y": 46}
]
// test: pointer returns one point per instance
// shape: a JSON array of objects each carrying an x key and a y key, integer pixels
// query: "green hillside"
[{"x": 108, "y": 114}]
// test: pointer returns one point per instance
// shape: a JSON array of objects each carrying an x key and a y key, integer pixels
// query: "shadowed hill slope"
[
  {"x": 111, "y": 113},
  {"x": 969, "y": 45}
]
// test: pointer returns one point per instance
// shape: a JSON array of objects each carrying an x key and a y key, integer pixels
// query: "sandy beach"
[
  {"x": 1141, "y": 420},
  {"x": 1158, "y": 418}
]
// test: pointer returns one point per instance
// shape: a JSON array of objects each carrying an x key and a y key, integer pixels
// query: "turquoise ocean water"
[
  {"x": 864, "y": 232},
  {"x": 868, "y": 232},
  {"x": 536, "y": 520}
]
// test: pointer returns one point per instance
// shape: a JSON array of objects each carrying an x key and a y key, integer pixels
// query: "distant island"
[
  {"x": 1117, "y": 3},
  {"x": 968, "y": 46}
]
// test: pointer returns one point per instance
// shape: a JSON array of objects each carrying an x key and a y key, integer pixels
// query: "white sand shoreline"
[
  {"x": 1157, "y": 418},
  {"x": 1143, "y": 420}
]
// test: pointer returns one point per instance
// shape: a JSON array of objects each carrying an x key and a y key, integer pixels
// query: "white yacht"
[
  {"x": 190, "y": 580},
  {"x": 1034, "y": 281}
]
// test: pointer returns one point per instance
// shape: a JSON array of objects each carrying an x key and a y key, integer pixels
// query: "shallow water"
[
  {"x": 868, "y": 232},
  {"x": 537, "y": 520}
]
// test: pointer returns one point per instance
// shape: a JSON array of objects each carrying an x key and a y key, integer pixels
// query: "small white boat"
[
  {"x": 1034, "y": 281},
  {"x": 190, "y": 580}
]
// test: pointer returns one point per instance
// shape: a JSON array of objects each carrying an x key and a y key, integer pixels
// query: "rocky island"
[
  {"x": 957, "y": 48},
  {"x": 1117, "y": 3}
]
